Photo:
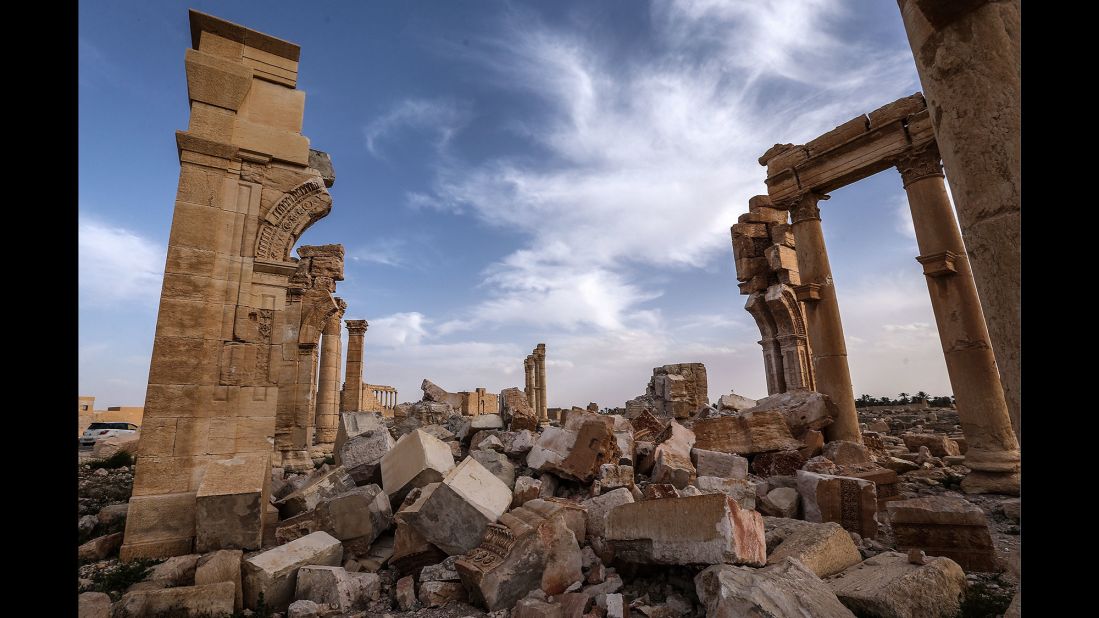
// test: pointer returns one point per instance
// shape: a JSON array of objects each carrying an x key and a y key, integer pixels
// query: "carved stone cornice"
[
  {"x": 919, "y": 163},
  {"x": 805, "y": 208},
  {"x": 356, "y": 327},
  {"x": 808, "y": 292},
  {"x": 938, "y": 264}
]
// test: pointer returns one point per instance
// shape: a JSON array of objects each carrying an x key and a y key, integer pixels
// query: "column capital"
[
  {"x": 919, "y": 163},
  {"x": 356, "y": 327},
  {"x": 803, "y": 207}
]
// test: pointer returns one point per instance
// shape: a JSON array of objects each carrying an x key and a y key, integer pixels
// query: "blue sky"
[{"x": 509, "y": 173}]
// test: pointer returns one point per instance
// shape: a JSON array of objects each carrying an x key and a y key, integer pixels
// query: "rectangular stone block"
[
  {"x": 361, "y": 441},
  {"x": 159, "y": 526},
  {"x": 745, "y": 435},
  {"x": 721, "y": 465},
  {"x": 826, "y": 549},
  {"x": 944, "y": 526},
  {"x": 222, "y": 566},
  {"x": 707, "y": 529},
  {"x": 361, "y": 513},
  {"x": 889, "y": 585},
  {"x": 416, "y": 460},
  {"x": 850, "y": 502},
  {"x": 274, "y": 572},
  {"x": 205, "y": 600},
  {"x": 230, "y": 503},
  {"x": 277, "y": 143},
  {"x": 333, "y": 483},
  {"x": 275, "y": 106},
  {"x": 454, "y": 513}
]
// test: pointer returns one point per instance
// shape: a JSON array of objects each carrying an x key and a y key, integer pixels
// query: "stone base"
[
  {"x": 297, "y": 461},
  {"x": 982, "y": 482}
]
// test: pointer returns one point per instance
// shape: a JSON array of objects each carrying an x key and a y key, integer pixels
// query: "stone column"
[
  {"x": 968, "y": 59},
  {"x": 540, "y": 380},
  {"x": 993, "y": 452},
  {"x": 822, "y": 317},
  {"x": 528, "y": 376},
  {"x": 352, "y": 395},
  {"x": 328, "y": 389}
]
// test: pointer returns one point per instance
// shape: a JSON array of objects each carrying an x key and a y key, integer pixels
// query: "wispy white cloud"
[
  {"x": 117, "y": 266},
  {"x": 399, "y": 329},
  {"x": 443, "y": 118}
]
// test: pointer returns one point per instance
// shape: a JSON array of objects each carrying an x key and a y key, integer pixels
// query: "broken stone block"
[
  {"x": 222, "y": 566},
  {"x": 646, "y": 427},
  {"x": 885, "y": 484},
  {"x": 672, "y": 456},
  {"x": 944, "y": 526},
  {"x": 274, "y": 572},
  {"x": 900, "y": 465},
  {"x": 362, "y": 512},
  {"x": 303, "y": 609},
  {"x": 112, "y": 514},
  {"x": 1012, "y": 509},
  {"x": 230, "y": 503},
  {"x": 740, "y": 490},
  {"x": 441, "y": 572},
  {"x": 549, "y": 486},
  {"x": 437, "y": 594},
  {"x": 496, "y": 463},
  {"x": 938, "y": 444},
  {"x": 516, "y": 407},
  {"x": 745, "y": 435},
  {"x": 519, "y": 443},
  {"x": 706, "y": 529},
  {"x": 657, "y": 491},
  {"x": 175, "y": 571},
  {"x": 205, "y": 600},
  {"x": 850, "y": 502},
  {"x": 94, "y": 605},
  {"x": 526, "y": 488},
  {"x": 599, "y": 506},
  {"x": 786, "y": 589},
  {"x": 616, "y": 606},
  {"x": 812, "y": 443},
  {"x": 800, "y": 409},
  {"x": 722, "y": 465},
  {"x": 535, "y": 546},
  {"x": 361, "y": 453},
  {"x": 334, "y": 587},
  {"x": 782, "y": 463},
  {"x": 878, "y": 426},
  {"x": 332, "y": 483},
  {"x": 889, "y": 585},
  {"x": 490, "y": 443},
  {"x": 537, "y": 608},
  {"x": 735, "y": 402},
  {"x": 109, "y": 447},
  {"x": 614, "y": 476},
  {"x": 577, "y": 450},
  {"x": 825, "y": 549},
  {"x": 486, "y": 421},
  {"x": 99, "y": 548},
  {"x": 411, "y": 551},
  {"x": 780, "y": 502},
  {"x": 453, "y": 514},
  {"x": 416, "y": 460},
  {"x": 352, "y": 424},
  {"x": 406, "y": 594},
  {"x": 843, "y": 452}
]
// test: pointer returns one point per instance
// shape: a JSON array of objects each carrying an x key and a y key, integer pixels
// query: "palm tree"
[
  {"x": 920, "y": 396},
  {"x": 902, "y": 397}
]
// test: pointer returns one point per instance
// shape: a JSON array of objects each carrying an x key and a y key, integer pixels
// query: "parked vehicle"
[{"x": 98, "y": 431}]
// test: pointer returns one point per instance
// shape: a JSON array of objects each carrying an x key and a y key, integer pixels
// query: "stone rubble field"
[{"x": 656, "y": 511}]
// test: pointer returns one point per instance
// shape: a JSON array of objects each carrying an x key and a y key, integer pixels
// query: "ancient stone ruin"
[{"x": 262, "y": 485}]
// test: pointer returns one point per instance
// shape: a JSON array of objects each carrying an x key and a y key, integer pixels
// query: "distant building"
[{"x": 87, "y": 414}]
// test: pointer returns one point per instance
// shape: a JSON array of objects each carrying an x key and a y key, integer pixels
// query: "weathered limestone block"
[
  {"x": 944, "y": 526},
  {"x": 416, "y": 460},
  {"x": 453, "y": 514},
  {"x": 222, "y": 566},
  {"x": 367, "y": 441},
  {"x": 745, "y": 435},
  {"x": 781, "y": 463},
  {"x": 435, "y": 393},
  {"x": 336, "y": 588},
  {"x": 230, "y": 503},
  {"x": 888, "y": 585},
  {"x": 706, "y": 529},
  {"x": 938, "y": 444},
  {"x": 486, "y": 421},
  {"x": 885, "y": 484},
  {"x": 659, "y": 491},
  {"x": 577, "y": 450},
  {"x": 496, "y": 463},
  {"x": 850, "y": 502},
  {"x": 411, "y": 551},
  {"x": 442, "y": 572},
  {"x": 743, "y": 491},
  {"x": 303, "y": 609},
  {"x": 800, "y": 409},
  {"x": 99, "y": 547},
  {"x": 406, "y": 594},
  {"x": 598, "y": 507},
  {"x": 780, "y": 502},
  {"x": 515, "y": 406},
  {"x": 94, "y": 605},
  {"x": 735, "y": 402},
  {"x": 721, "y": 465},
  {"x": 535, "y": 546},
  {"x": 175, "y": 571},
  {"x": 672, "y": 456},
  {"x": 786, "y": 589},
  {"x": 812, "y": 443},
  {"x": 274, "y": 572},
  {"x": 531, "y": 607},
  {"x": 825, "y": 549},
  {"x": 647, "y": 427},
  {"x": 623, "y": 438},
  {"x": 438, "y": 594},
  {"x": 518, "y": 443},
  {"x": 332, "y": 483},
  {"x": 197, "y": 601},
  {"x": 109, "y": 447},
  {"x": 843, "y": 452},
  {"x": 360, "y": 513},
  {"x": 614, "y": 476},
  {"x": 526, "y": 488}
]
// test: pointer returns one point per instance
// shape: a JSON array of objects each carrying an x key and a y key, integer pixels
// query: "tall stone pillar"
[
  {"x": 967, "y": 55},
  {"x": 540, "y": 381},
  {"x": 992, "y": 453},
  {"x": 328, "y": 389},
  {"x": 528, "y": 375},
  {"x": 822, "y": 317},
  {"x": 352, "y": 395}
]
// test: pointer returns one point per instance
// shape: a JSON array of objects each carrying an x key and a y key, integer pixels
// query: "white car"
[{"x": 98, "y": 431}]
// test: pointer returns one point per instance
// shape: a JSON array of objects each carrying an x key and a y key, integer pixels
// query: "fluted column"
[
  {"x": 328, "y": 387},
  {"x": 968, "y": 58},
  {"x": 822, "y": 317},
  {"x": 992, "y": 450},
  {"x": 540, "y": 381},
  {"x": 351, "y": 397}
]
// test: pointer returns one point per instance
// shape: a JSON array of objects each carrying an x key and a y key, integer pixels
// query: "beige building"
[
  {"x": 85, "y": 408},
  {"x": 87, "y": 414}
]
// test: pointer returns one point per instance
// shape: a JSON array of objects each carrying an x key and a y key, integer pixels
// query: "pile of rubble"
[{"x": 736, "y": 509}]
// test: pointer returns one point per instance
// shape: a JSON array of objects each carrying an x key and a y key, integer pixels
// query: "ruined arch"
[{"x": 288, "y": 219}]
